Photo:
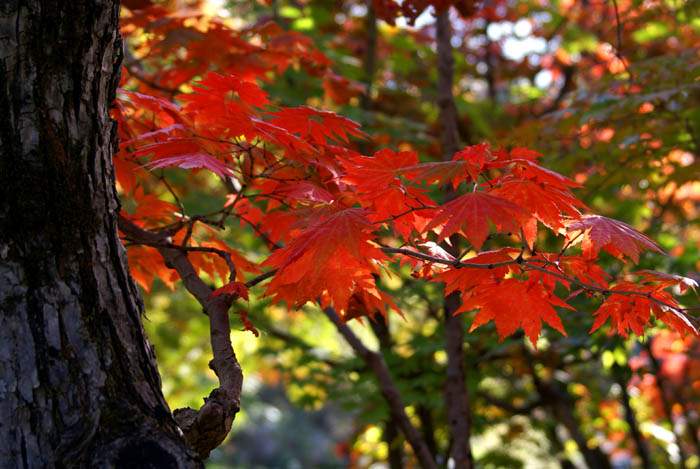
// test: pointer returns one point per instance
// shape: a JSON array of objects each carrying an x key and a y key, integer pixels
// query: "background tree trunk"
[
  {"x": 78, "y": 383},
  {"x": 456, "y": 393}
]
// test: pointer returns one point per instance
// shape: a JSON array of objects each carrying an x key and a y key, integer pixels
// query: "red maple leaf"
[
  {"x": 332, "y": 256},
  {"x": 456, "y": 172},
  {"x": 665, "y": 280},
  {"x": 340, "y": 89},
  {"x": 369, "y": 174},
  {"x": 545, "y": 202},
  {"x": 596, "y": 232},
  {"x": 512, "y": 304},
  {"x": 218, "y": 86},
  {"x": 578, "y": 267},
  {"x": 368, "y": 301},
  {"x": 304, "y": 192},
  {"x": 471, "y": 213},
  {"x": 627, "y": 313},
  {"x": 232, "y": 288},
  {"x": 247, "y": 324},
  {"x": 319, "y": 125},
  {"x": 190, "y": 161},
  {"x": 465, "y": 279}
]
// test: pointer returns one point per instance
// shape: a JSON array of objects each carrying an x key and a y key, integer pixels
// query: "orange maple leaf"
[
  {"x": 512, "y": 304},
  {"x": 545, "y": 202},
  {"x": 633, "y": 312},
  {"x": 456, "y": 172},
  {"x": 319, "y": 125}
]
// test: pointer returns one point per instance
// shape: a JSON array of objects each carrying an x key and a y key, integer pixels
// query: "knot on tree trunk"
[{"x": 206, "y": 428}]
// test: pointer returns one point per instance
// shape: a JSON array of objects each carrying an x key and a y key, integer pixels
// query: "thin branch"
[
  {"x": 388, "y": 389},
  {"x": 172, "y": 192},
  {"x": 604, "y": 291},
  {"x": 262, "y": 234},
  {"x": 619, "y": 33},
  {"x": 406, "y": 212},
  {"x": 528, "y": 264},
  {"x": 260, "y": 278},
  {"x": 294, "y": 341},
  {"x": 554, "y": 394},
  {"x": 438, "y": 260},
  {"x": 164, "y": 244},
  {"x": 390, "y": 431},
  {"x": 136, "y": 70},
  {"x": 667, "y": 405},
  {"x": 154, "y": 85},
  {"x": 631, "y": 419}
]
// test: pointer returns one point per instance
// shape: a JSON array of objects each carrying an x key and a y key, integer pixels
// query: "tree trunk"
[
  {"x": 78, "y": 383},
  {"x": 456, "y": 393}
]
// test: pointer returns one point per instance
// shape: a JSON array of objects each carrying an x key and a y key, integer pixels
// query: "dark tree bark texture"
[{"x": 78, "y": 382}]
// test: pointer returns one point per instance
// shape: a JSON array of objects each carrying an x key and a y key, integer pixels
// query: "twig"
[
  {"x": 172, "y": 192},
  {"x": 263, "y": 235},
  {"x": 619, "y": 34},
  {"x": 406, "y": 212},
  {"x": 260, "y": 278}
]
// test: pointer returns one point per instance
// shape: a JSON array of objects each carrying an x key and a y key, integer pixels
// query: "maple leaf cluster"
[
  {"x": 389, "y": 10},
  {"x": 334, "y": 220}
]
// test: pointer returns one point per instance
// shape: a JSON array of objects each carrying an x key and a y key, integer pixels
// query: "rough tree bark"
[{"x": 78, "y": 383}]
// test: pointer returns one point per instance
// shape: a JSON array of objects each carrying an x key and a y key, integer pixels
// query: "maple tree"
[
  {"x": 331, "y": 209},
  {"x": 335, "y": 219}
]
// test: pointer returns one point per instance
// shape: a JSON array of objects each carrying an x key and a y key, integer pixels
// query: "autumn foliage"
[{"x": 335, "y": 219}]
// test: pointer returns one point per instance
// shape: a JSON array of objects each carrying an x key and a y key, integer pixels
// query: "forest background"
[{"x": 606, "y": 92}]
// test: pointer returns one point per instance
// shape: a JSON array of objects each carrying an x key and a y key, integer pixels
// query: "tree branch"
[
  {"x": 665, "y": 394},
  {"x": 295, "y": 341},
  {"x": 390, "y": 432},
  {"x": 206, "y": 428},
  {"x": 559, "y": 400},
  {"x": 528, "y": 264},
  {"x": 388, "y": 389},
  {"x": 136, "y": 70}
]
